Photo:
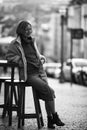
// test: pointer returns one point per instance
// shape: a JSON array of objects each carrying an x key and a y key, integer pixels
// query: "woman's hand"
[{"x": 43, "y": 59}]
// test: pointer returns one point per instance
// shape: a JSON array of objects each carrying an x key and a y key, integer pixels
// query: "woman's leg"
[
  {"x": 43, "y": 90},
  {"x": 46, "y": 93},
  {"x": 52, "y": 116},
  {"x": 50, "y": 107}
]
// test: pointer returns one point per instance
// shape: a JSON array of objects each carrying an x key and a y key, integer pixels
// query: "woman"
[{"x": 23, "y": 50}]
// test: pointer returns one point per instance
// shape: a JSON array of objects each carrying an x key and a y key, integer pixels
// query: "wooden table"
[{"x": 5, "y": 63}]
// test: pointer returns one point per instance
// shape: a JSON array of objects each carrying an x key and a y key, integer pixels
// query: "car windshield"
[{"x": 81, "y": 64}]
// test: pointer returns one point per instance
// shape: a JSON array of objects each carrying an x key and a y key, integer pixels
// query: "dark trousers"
[{"x": 40, "y": 84}]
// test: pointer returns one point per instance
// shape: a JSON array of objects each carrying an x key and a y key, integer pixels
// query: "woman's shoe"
[
  {"x": 56, "y": 120},
  {"x": 50, "y": 122}
]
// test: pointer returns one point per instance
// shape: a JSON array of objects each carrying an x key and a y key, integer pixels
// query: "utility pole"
[{"x": 62, "y": 48}]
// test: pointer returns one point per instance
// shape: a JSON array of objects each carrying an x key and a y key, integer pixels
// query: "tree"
[{"x": 79, "y": 2}]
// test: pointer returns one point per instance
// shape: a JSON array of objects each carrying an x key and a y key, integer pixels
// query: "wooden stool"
[
  {"x": 22, "y": 115},
  {"x": 5, "y": 64},
  {"x": 20, "y": 105},
  {"x": 9, "y": 106}
]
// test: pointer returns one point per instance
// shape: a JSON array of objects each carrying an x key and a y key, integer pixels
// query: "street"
[{"x": 71, "y": 105}]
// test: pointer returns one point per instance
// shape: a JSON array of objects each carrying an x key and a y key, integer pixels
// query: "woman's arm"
[
  {"x": 12, "y": 55},
  {"x": 42, "y": 58}
]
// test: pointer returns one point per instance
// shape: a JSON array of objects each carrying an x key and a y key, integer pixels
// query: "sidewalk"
[{"x": 71, "y": 105}]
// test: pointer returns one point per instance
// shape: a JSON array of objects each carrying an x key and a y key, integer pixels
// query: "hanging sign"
[
  {"x": 77, "y": 33},
  {"x": 85, "y": 33}
]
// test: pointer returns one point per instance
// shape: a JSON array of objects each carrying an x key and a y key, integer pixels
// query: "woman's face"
[
  {"x": 27, "y": 36},
  {"x": 28, "y": 31}
]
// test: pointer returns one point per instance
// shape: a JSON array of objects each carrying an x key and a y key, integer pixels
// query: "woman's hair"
[{"x": 21, "y": 28}]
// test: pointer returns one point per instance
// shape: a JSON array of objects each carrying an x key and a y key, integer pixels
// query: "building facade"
[{"x": 77, "y": 19}]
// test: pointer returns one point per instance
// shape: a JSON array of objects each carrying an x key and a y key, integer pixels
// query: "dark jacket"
[{"x": 16, "y": 54}]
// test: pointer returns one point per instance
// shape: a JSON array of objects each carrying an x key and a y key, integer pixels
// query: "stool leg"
[
  {"x": 4, "y": 110},
  {"x": 10, "y": 105},
  {"x": 19, "y": 105},
  {"x": 15, "y": 95},
  {"x": 40, "y": 124},
  {"x": 18, "y": 97},
  {"x": 23, "y": 104},
  {"x": 6, "y": 93},
  {"x": 15, "y": 92}
]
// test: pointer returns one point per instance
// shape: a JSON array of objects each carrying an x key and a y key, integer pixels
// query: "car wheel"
[
  {"x": 84, "y": 78},
  {"x": 78, "y": 78}
]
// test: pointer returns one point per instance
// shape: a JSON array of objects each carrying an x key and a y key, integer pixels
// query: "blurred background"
[{"x": 52, "y": 22}]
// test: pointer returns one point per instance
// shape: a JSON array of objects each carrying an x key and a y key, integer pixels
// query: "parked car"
[
  {"x": 53, "y": 69},
  {"x": 79, "y": 67}
]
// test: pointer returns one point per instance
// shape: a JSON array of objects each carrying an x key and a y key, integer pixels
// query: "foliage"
[
  {"x": 9, "y": 17},
  {"x": 79, "y": 2},
  {"x": 18, "y": 12}
]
